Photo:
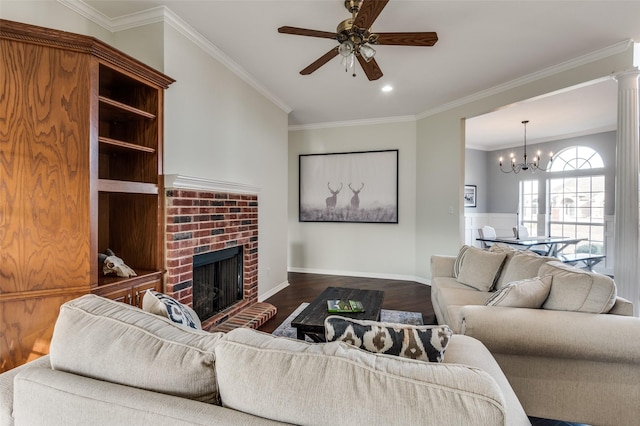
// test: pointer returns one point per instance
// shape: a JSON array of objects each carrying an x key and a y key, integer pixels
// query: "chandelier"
[{"x": 525, "y": 165}]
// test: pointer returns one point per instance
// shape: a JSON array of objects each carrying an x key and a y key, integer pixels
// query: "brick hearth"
[{"x": 205, "y": 221}]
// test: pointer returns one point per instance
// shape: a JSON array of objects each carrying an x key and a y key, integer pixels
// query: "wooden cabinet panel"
[
  {"x": 130, "y": 291},
  {"x": 44, "y": 165},
  {"x": 27, "y": 326}
]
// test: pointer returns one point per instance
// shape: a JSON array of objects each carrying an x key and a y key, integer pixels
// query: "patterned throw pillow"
[
  {"x": 426, "y": 343},
  {"x": 166, "y": 306}
]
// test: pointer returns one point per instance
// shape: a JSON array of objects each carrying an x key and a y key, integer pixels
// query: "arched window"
[
  {"x": 576, "y": 158},
  {"x": 576, "y": 198}
]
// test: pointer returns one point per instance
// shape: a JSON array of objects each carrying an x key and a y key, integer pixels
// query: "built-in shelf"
[
  {"x": 107, "y": 144},
  {"x": 116, "y": 107},
  {"x": 108, "y": 185}
]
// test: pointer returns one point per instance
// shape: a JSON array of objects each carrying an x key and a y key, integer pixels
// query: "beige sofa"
[
  {"x": 574, "y": 358},
  {"x": 114, "y": 364}
]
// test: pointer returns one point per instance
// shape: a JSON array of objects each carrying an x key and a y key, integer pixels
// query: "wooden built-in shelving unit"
[{"x": 84, "y": 173}]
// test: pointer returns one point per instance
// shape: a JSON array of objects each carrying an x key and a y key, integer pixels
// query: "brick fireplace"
[{"x": 206, "y": 220}]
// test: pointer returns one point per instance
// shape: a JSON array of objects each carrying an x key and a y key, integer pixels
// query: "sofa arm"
[
  {"x": 442, "y": 266},
  {"x": 6, "y": 387},
  {"x": 622, "y": 307},
  {"x": 557, "y": 334}
]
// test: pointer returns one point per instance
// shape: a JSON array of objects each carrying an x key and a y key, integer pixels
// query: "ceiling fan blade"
[
  {"x": 306, "y": 32},
  {"x": 371, "y": 68},
  {"x": 320, "y": 61},
  {"x": 407, "y": 39},
  {"x": 369, "y": 11}
]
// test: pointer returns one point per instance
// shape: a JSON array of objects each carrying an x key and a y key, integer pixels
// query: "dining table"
[{"x": 553, "y": 245}]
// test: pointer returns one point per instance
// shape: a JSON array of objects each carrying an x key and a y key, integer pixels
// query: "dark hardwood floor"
[{"x": 398, "y": 295}]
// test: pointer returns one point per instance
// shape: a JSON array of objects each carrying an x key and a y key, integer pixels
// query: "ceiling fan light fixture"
[
  {"x": 367, "y": 52},
  {"x": 346, "y": 48},
  {"x": 355, "y": 38}
]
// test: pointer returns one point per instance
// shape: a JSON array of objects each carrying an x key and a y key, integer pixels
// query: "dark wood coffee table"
[{"x": 310, "y": 322}]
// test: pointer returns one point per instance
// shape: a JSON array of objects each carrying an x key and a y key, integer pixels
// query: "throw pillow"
[
  {"x": 458, "y": 263},
  {"x": 168, "y": 307},
  {"x": 426, "y": 343},
  {"x": 577, "y": 290},
  {"x": 522, "y": 265},
  {"x": 528, "y": 293},
  {"x": 480, "y": 268}
]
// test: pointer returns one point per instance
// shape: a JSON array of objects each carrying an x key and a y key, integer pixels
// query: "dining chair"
[{"x": 521, "y": 231}]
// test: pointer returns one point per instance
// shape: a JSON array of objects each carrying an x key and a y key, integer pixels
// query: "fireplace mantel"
[{"x": 201, "y": 184}]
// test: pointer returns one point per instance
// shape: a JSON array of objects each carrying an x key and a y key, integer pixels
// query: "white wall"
[
  {"x": 375, "y": 250},
  {"x": 51, "y": 14},
  {"x": 218, "y": 127}
]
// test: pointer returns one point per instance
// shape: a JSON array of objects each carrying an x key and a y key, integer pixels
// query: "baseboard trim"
[
  {"x": 361, "y": 274},
  {"x": 276, "y": 289}
]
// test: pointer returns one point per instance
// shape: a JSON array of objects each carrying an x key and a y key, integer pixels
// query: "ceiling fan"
[{"x": 355, "y": 38}]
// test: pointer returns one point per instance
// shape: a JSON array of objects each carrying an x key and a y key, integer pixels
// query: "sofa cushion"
[
  {"x": 529, "y": 293},
  {"x": 576, "y": 290},
  {"x": 168, "y": 307},
  {"x": 111, "y": 341},
  {"x": 426, "y": 342},
  {"x": 336, "y": 383},
  {"x": 518, "y": 265},
  {"x": 478, "y": 268},
  {"x": 523, "y": 265},
  {"x": 46, "y": 397}
]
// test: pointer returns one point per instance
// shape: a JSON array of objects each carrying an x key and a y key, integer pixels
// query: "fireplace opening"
[{"x": 217, "y": 281}]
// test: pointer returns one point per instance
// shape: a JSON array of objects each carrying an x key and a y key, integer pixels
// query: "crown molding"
[
  {"x": 365, "y": 122},
  {"x": 83, "y": 9},
  {"x": 587, "y": 132},
  {"x": 202, "y": 184},
  {"x": 166, "y": 15},
  {"x": 530, "y": 78}
]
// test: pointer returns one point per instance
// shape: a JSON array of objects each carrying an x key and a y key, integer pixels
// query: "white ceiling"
[{"x": 482, "y": 44}]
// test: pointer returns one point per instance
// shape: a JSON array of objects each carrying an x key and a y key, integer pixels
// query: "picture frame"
[
  {"x": 354, "y": 187},
  {"x": 470, "y": 196}
]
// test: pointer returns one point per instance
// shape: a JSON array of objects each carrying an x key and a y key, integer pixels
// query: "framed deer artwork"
[{"x": 349, "y": 187}]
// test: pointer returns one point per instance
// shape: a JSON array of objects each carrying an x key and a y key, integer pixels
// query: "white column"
[{"x": 627, "y": 214}]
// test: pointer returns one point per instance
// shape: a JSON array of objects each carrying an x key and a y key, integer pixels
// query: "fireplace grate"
[{"x": 217, "y": 281}]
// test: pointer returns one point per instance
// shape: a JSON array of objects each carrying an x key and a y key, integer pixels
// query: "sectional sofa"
[
  {"x": 567, "y": 343},
  {"x": 111, "y": 363}
]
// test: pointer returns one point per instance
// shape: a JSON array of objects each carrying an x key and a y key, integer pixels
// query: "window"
[
  {"x": 576, "y": 198},
  {"x": 529, "y": 205},
  {"x": 576, "y": 158}
]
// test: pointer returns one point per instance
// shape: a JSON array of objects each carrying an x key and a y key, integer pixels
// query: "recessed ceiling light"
[{"x": 387, "y": 88}]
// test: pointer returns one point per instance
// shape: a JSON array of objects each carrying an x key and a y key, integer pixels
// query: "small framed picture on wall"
[{"x": 470, "y": 196}]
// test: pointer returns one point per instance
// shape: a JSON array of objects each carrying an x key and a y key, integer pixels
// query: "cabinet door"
[{"x": 122, "y": 294}]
